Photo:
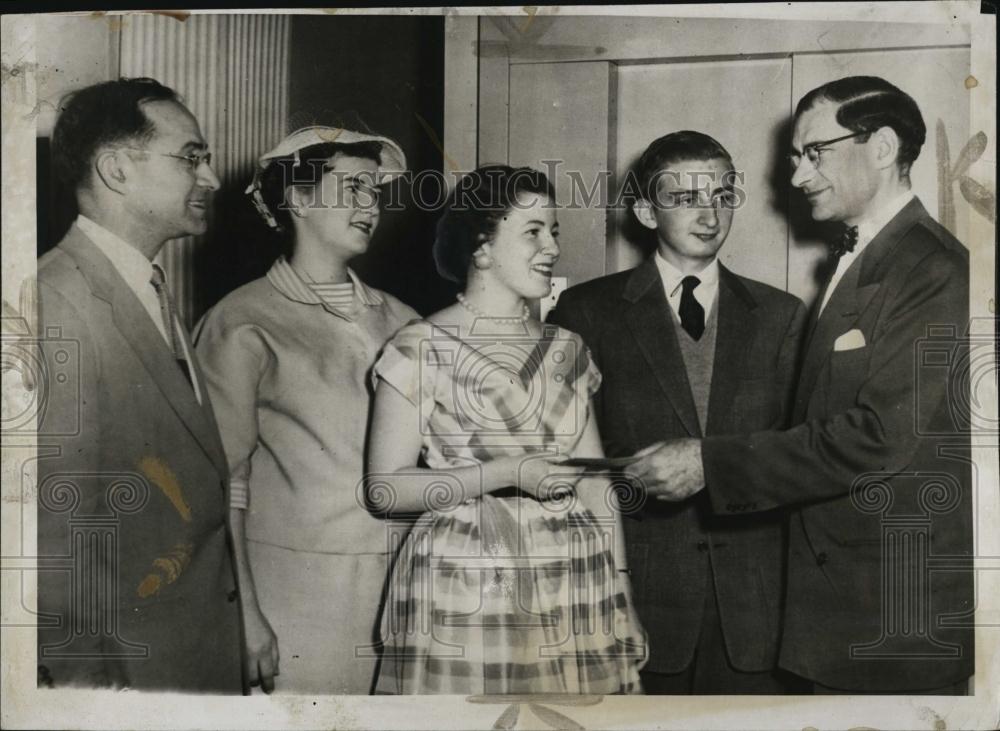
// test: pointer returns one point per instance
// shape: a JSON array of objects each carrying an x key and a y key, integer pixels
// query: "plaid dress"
[{"x": 502, "y": 594}]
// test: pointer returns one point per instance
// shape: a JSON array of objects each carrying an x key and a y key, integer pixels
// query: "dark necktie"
[
  {"x": 847, "y": 241},
  {"x": 691, "y": 311},
  {"x": 158, "y": 280}
]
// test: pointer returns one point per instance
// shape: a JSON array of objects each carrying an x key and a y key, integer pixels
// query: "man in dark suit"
[
  {"x": 136, "y": 584},
  {"x": 877, "y": 469},
  {"x": 688, "y": 348}
]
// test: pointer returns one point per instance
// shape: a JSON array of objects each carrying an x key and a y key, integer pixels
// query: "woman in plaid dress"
[{"x": 513, "y": 579}]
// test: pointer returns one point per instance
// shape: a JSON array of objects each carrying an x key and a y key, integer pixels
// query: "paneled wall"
[
  {"x": 592, "y": 92},
  {"x": 571, "y": 104}
]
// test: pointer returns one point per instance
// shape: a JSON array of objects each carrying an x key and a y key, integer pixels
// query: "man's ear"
[
  {"x": 643, "y": 210},
  {"x": 886, "y": 147},
  {"x": 111, "y": 171}
]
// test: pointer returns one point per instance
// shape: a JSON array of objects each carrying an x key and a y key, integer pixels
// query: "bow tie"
[{"x": 847, "y": 241}]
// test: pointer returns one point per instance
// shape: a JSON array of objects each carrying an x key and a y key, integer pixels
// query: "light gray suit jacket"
[{"x": 137, "y": 584}]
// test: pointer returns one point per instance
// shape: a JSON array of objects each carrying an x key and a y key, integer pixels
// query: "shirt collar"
[
  {"x": 672, "y": 276},
  {"x": 287, "y": 281},
  {"x": 366, "y": 294},
  {"x": 133, "y": 266},
  {"x": 869, "y": 228}
]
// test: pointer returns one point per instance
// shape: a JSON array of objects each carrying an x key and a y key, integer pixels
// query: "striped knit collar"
[{"x": 287, "y": 281}]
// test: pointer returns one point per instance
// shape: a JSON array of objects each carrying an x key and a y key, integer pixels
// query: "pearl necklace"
[{"x": 524, "y": 317}]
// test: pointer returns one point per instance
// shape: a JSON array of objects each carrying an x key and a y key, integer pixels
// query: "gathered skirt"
[{"x": 508, "y": 596}]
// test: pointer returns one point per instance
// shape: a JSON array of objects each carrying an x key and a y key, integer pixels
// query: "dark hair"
[
  {"x": 474, "y": 210},
  {"x": 99, "y": 115},
  {"x": 868, "y": 103},
  {"x": 283, "y": 172},
  {"x": 672, "y": 148}
]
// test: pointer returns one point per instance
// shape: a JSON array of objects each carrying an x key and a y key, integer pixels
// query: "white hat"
[{"x": 392, "y": 160}]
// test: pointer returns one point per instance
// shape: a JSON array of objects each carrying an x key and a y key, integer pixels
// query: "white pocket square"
[{"x": 850, "y": 340}]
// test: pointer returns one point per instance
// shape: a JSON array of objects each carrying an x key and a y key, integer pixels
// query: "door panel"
[{"x": 559, "y": 120}]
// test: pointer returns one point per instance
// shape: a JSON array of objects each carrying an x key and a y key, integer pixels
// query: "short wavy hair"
[
  {"x": 98, "y": 115},
  {"x": 868, "y": 103},
  {"x": 475, "y": 208},
  {"x": 671, "y": 149}
]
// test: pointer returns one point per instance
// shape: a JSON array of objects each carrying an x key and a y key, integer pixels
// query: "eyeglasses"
[
  {"x": 813, "y": 151},
  {"x": 195, "y": 160}
]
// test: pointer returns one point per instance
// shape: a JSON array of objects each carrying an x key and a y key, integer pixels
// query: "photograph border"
[{"x": 24, "y": 705}]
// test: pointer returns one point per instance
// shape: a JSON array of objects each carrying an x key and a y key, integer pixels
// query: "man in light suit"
[
  {"x": 136, "y": 584},
  {"x": 877, "y": 469},
  {"x": 688, "y": 348}
]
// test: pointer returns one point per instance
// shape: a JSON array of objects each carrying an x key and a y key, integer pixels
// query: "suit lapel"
[
  {"x": 133, "y": 322},
  {"x": 881, "y": 252},
  {"x": 852, "y": 296},
  {"x": 846, "y": 304},
  {"x": 813, "y": 320},
  {"x": 737, "y": 326},
  {"x": 652, "y": 327}
]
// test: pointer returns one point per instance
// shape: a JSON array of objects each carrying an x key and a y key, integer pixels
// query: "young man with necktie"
[
  {"x": 687, "y": 349},
  {"x": 877, "y": 471},
  {"x": 136, "y": 583}
]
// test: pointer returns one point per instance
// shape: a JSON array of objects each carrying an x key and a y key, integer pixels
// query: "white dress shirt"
[
  {"x": 868, "y": 229},
  {"x": 705, "y": 293},
  {"x": 137, "y": 271}
]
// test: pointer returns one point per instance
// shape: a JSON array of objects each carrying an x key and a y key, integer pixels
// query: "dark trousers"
[{"x": 711, "y": 673}]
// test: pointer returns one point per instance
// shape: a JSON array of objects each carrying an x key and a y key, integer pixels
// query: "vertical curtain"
[{"x": 232, "y": 73}]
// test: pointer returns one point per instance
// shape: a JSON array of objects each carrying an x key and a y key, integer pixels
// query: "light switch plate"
[{"x": 549, "y": 302}]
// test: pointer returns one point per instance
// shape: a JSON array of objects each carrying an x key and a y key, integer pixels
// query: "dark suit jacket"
[
  {"x": 888, "y": 416},
  {"x": 645, "y": 397},
  {"x": 126, "y": 448}
]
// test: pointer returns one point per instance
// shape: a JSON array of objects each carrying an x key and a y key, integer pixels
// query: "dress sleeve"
[
  {"x": 409, "y": 364},
  {"x": 234, "y": 357}
]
